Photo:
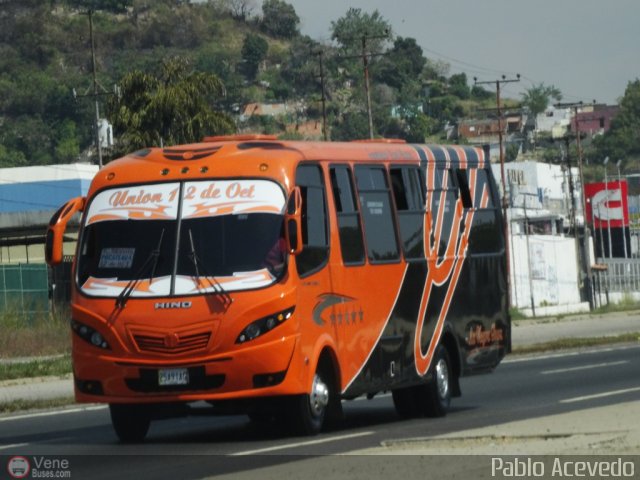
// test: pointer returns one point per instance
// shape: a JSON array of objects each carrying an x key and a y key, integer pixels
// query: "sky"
[{"x": 589, "y": 49}]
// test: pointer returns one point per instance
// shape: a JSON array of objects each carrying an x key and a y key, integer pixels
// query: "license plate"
[{"x": 173, "y": 376}]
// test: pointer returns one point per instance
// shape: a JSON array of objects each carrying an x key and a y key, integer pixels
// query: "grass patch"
[
  {"x": 21, "y": 405},
  {"x": 568, "y": 343},
  {"x": 626, "y": 303},
  {"x": 36, "y": 368},
  {"x": 39, "y": 334}
]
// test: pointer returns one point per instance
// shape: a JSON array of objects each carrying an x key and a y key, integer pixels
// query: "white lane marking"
[
  {"x": 567, "y": 354},
  {"x": 600, "y": 395},
  {"x": 301, "y": 444},
  {"x": 52, "y": 413},
  {"x": 584, "y": 367},
  {"x": 14, "y": 445}
]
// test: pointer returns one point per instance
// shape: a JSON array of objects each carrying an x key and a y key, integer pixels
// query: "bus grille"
[{"x": 172, "y": 344}]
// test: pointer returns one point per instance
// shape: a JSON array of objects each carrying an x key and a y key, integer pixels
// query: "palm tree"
[{"x": 173, "y": 107}]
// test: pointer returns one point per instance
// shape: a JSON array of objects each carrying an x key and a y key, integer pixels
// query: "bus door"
[
  {"x": 315, "y": 290},
  {"x": 367, "y": 274}
]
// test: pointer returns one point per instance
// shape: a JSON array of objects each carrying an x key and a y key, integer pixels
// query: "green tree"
[
  {"x": 279, "y": 19},
  {"x": 349, "y": 30},
  {"x": 402, "y": 64},
  {"x": 622, "y": 141},
  {"x": 116, "y": 6},
  {"x": 11, "y": 158},
  {"x": 458, "y": 86},
  {"x": 254, "y": 51},
  {"x": 67, "y": 147},
  {"x": 172, "y": 107},
  {"x": 538, "y": 97}
]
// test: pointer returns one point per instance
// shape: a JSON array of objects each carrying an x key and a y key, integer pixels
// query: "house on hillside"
[
  {"x": 554, "y": 121},
  {"x": 595, "y": 120},
  {"x": 485, "y": 131}
]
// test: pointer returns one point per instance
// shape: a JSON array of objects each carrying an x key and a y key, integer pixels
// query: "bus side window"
[
  {"x": 463, "y": 185},
  {"x": 409, "y": 197},
  {"x": 443, "y": 199},
  {"x": 350, "y": 228},
  {"x": 487, "y": 236},
  {"x": 377, "y": 217},
  {"x": 315, "y": 244}
]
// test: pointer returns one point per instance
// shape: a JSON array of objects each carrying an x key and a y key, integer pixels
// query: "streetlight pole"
[
  {"x": 624, "y": 229},
  {"x": 606, "y": 189}
]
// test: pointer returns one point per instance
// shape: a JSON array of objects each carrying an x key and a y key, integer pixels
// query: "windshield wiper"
[
  {"x": 154, "y": 256},
  {"x": 197, "y": 265}
]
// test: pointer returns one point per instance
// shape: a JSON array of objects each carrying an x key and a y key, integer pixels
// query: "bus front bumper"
[{"x": 267, "y": 369}]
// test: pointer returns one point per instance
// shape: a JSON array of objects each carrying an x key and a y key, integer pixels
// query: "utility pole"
[
  {"x": 502, "y": 175},
  {"x": 586, "y": 267},
  {"x": 95, "y": 91},
  {"x": 365, "y": 64},
  {"x": 320, "y": 55},
  {"x": 624, "y": 229}
]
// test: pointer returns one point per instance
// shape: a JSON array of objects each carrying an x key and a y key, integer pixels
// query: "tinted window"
[
  {"x": 349, "y": 226},
  {"x": 486, "y": 231},
  {"x": 409, "y": 197},
  {"x": 375, "y": 201},
  {"x": 441, "y": 201},
  {"x": 314, "y": 220}
]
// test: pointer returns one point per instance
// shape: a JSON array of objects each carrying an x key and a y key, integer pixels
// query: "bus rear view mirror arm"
[
  {"x": 293, "y": 221},
  {"x": 57, "y": 227}
]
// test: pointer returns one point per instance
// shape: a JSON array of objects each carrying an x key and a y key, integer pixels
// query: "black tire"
[
  {"x": 406, "y": 402},
  {"x": 436, "y": 394},
  {"x": 130, "y": 421},
  {"x": 308, "y": 411}
]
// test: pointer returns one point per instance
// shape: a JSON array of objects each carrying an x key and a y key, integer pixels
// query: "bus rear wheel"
[
  {"x": 406, "y": 402},
  {"x": 130, "y": 421},
  {"x": 436, "y": 395}
]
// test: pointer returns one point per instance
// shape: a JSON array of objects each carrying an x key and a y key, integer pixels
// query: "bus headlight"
[
  {"x": 89, "y": 335},
  {"x": 264, "y": 325}
]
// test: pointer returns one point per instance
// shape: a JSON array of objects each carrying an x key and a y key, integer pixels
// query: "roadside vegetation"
[
  {"x": 22, "y": 405},
  {"x": 42, "y": 334},
  {"x": 59, "y": 366},
  {"x": 568, "y": 343},
  {"x": 202, "y": 64}
]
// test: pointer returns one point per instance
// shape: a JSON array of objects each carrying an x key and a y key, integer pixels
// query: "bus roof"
[{"x": 247, "y": 155}]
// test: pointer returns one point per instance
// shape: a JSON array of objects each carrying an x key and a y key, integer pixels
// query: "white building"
[{"x": 544, "y": 265}]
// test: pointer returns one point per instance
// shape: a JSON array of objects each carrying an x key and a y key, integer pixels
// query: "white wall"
[{"x": 550, "y": 268}]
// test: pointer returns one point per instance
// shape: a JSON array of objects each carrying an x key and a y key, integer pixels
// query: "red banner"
[{"x": 607, "y": 204}]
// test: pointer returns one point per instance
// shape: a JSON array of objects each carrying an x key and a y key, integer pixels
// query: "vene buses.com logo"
[{"x": 18, "y": 467}]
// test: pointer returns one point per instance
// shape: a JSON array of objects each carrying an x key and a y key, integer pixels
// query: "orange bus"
[{"x": 278, "y": 278}]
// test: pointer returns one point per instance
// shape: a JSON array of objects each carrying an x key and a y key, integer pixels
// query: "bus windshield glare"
[{"x": 229, "y": 237}]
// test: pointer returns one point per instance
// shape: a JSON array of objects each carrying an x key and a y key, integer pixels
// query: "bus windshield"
[{"x": 183, "y": 239}]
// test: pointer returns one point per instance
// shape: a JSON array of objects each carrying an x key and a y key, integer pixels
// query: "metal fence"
[
  {"x": 622, "y": 275},
  {"x": 24, "y": 288}
]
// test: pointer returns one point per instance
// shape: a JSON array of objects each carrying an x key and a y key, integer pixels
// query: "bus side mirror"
[
  {"x": 57, "y": 227},
  {"x": 293, "y": 221}
]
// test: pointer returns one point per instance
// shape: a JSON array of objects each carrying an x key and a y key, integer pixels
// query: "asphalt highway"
[{"x": 522, "y": 387}]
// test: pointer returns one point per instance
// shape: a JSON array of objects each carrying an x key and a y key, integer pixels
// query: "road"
[{"x": 522, "y": 387}]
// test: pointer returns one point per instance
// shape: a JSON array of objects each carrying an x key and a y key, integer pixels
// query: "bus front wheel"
[
  {"x": 130, "y": 421},
  {"x": 310, "y": 409}
]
